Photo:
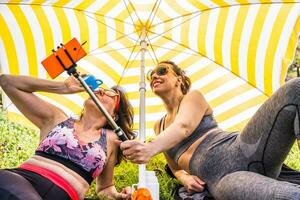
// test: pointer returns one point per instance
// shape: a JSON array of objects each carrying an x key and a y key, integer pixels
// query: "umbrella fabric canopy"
[{"x": 236, "y": 52}]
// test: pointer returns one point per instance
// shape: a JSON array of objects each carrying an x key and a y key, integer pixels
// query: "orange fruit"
[{"x": 141, "y": 194}]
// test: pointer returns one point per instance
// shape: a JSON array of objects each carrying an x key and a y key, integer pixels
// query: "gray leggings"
[{"x": 245, "y": 166}]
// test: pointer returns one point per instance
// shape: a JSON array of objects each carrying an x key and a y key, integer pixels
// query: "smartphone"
[{"x": 52, "y": 64}]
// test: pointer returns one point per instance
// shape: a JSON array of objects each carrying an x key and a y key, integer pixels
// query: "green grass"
[{"x": 18, "y": 143}]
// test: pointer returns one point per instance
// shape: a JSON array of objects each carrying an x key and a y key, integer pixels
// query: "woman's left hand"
[
  {"x": 192, "y": 184},
  {"x": 112, "y": 193},
  {"x": 72, "y": 85},
  {"x": 136, "y": 152}
]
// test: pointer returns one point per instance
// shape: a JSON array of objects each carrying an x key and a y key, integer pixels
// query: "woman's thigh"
[
  {"x": 44, "y": 187},
  {"x": 14, "y": 186}
]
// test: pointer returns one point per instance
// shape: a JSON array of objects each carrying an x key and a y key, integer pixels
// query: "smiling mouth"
[{"x": 155, "y": 83}]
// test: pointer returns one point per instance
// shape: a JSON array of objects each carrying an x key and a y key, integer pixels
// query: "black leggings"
[{"x": 26, "y": 185}]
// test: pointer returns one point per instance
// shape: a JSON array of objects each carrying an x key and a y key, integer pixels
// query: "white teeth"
[{"x": 156, "y": 83}]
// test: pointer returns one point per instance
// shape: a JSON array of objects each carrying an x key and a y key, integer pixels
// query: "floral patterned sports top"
[{"x": 63, "y": 146}]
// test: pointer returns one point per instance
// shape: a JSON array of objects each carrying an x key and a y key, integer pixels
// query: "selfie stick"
[{"x": 72, "y": 71}]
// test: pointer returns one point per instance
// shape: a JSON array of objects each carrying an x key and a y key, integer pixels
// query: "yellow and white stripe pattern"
[{"x": 236, "y": 52}]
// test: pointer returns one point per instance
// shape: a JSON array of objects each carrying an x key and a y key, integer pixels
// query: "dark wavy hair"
[
  {"x": 186, "y": 81},
  {"x": 125, "y": 118}
]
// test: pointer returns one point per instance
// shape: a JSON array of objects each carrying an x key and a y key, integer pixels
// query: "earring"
[{"x": 178, "y": 81}]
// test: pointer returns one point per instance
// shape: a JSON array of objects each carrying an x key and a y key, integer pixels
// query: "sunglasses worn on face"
[
  {"x": 110, "y": 93},
  {"x": 160, "y": 71},
  {"x": 107, "y": 92}
]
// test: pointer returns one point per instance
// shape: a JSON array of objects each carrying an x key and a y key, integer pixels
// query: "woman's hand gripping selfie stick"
[{"x": 64, "y": 59}]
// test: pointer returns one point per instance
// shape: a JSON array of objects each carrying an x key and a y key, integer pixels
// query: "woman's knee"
[{"x": 293, "y": 87}]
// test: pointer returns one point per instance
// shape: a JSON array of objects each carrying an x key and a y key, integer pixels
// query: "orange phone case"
[{"x": 53, "y": 66}]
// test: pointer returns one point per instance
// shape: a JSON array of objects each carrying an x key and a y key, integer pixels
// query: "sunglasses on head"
[
  {"x": 110, "y": 93},
  {"x": 160, "y": 71}
]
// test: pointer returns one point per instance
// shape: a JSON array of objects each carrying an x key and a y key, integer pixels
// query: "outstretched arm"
[
  {"x": 193, "y": 107},
  {"x": 20, "y": 90}
]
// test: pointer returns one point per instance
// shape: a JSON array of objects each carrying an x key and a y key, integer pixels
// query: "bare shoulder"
[
  {"x": 193, "y": 101},
  {"x": 196, "y": 98},
  {"x": 111, "y": 136},
  {"x": 194, "y": 94}
]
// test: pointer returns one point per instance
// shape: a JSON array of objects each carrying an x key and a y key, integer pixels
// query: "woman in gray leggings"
[{"x": 232, "y": 166}]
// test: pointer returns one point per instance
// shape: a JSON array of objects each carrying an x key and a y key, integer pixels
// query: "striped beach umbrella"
[{"x": 236, "y": 51}]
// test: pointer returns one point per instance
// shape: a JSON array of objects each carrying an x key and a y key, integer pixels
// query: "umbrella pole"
[{"x": 142, "y": 90}]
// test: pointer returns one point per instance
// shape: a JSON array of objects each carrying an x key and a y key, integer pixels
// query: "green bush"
[{"x": 18, "y": 143}]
